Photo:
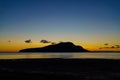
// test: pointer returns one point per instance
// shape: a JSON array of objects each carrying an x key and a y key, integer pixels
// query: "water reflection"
[{"x": 59, "y": 55}]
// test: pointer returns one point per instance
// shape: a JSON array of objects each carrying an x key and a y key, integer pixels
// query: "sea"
[{"x": 74, "y": 55}]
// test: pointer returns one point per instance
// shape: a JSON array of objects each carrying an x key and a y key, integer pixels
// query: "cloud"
[
  {"x": 100, "y": 48},
  {"x": 106, "y": 44},
  {"x": 112, "y": 47},
  {"x": 53, "y": 43},
  {"x": 9, "y": 41},
  {"x": 28, "y": 41},
  {"x": 117, "y": 46},
  {"x": 45, "y": 41}
]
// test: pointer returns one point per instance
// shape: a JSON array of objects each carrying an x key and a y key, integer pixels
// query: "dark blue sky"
[{"x": 86, "y": 21}]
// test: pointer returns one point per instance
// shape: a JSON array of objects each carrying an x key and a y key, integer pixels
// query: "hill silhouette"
[{"x": 60, "y": 47}]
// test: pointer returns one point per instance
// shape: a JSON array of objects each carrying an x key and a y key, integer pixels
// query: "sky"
[{"x": 88, "y": 23}]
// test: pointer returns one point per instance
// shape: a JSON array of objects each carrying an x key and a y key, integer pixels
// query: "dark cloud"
[
  {"x": 117, "y": 46},
  {"x": 112, "y": 47},
  {"x": 100, "y": 48},
  {"x": 53, "y": 43},
  {"x": 108, "y": 47},
  {"x": 9, "y": 41},
  {"x": 28, "y": 41},
  {"x": 45, "y": 41},
  {"x": 106, "y": 44}
]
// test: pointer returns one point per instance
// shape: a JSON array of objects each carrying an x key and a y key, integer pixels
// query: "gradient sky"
[{"x": 89, "y": 23}]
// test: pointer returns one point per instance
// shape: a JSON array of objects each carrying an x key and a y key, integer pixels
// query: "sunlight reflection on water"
[{"x": 59, "y": 55}]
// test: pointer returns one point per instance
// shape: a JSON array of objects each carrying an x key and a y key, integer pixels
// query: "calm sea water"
[{"x": 60, "y": 55}]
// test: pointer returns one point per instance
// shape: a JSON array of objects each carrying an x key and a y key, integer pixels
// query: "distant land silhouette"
[{"x": 60, "y": 47}]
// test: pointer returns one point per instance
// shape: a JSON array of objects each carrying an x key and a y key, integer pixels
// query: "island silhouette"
[{"x": 60, "y": 47}]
